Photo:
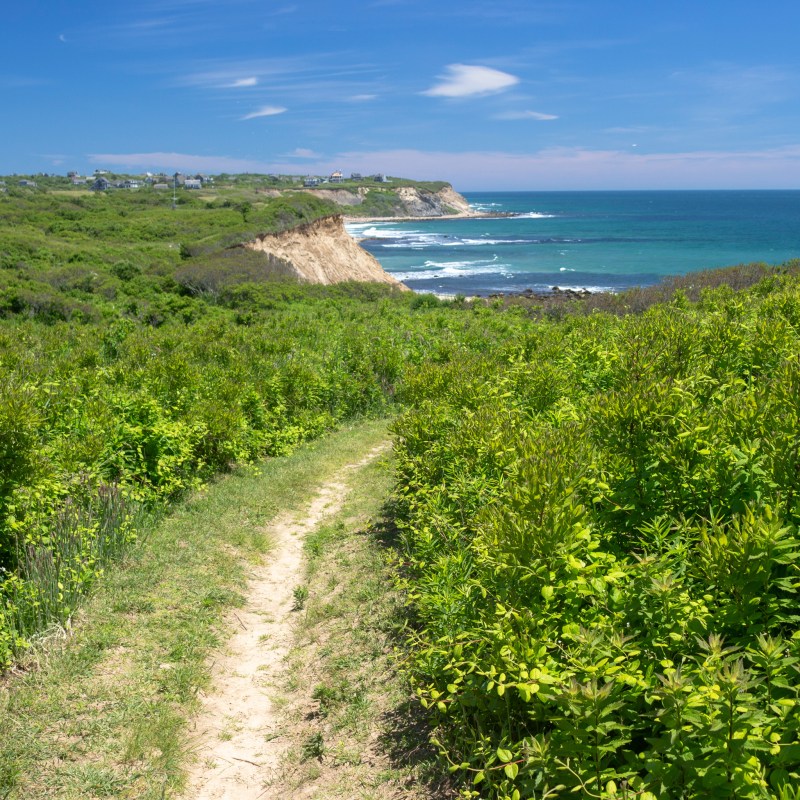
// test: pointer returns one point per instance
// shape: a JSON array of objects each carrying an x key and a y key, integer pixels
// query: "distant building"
[
  {"x": 101, "y": 185},
  {"x": 161, "y": 187},
  {"x": 380, "y": 178},
  {"x": 29, "y": 184},
  {"x": 356, "y": 176},
  {"x": 192, "y": 183},
  {"x": 76, "y": 180},
  {"x": 337, "y": 177},
  {"x": 131, "y": 184},
  {"x": 311, "y": 181}
]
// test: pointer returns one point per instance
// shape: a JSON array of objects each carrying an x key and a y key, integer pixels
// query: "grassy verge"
[
  {"x": 354, "y": 732},
  {"x": 103, "y": 713}
]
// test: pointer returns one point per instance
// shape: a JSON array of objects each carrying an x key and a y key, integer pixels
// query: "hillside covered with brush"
[{"x": 596, "y": 511}]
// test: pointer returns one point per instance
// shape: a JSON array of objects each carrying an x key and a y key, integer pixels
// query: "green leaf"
[{"x": 511, "y": 770}]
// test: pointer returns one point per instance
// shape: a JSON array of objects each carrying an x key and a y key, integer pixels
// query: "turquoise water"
[{"x": 591, "y": 240}]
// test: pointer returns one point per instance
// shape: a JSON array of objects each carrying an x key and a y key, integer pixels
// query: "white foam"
[
  {"x": 458, "y": 264},
  {"x": 590, "y": 289},
  {"x": 373, "y": 232},
  {"x": 533, "y": 215},
  {"x": 495, "y": 241},
  {"x": 454, "y": 269},
  {"x": 423, "y": 241}
]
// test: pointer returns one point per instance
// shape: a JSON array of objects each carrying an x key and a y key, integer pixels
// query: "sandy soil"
[
  {"x": 239, "y": 739},
  {"x": 322, "y": 252}
]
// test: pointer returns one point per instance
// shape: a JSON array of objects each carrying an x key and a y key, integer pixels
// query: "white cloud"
[
  {"x": 362, "y": 98},
  {"x": 547, "y": 169},
  {"x": 303, "y": 152},
  {"x": 241, "y": 83},
  {"x": 537, "y": 115},
  {"x": 179, "y": 161},
  {"x": 264, "y": 111},
  {"x": 580, "y": 168},
  {"x": 464, "y": 80}
]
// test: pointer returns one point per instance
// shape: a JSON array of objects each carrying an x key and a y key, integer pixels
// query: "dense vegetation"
[
  {"x": 600, "y": 526},
  {"x": 141, "y": 354},
  {"x": 598, "y": 509}
]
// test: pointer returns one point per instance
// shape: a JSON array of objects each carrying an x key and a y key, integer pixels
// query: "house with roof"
[
  {"x": 337, "y": 177},
  {"x": 310, "y": 181},
  {"x": 192, "y": 183},
  {"x": 101, "y": 184}
]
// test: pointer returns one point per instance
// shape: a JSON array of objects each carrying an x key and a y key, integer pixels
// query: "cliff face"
[
  {"x": 323, "y": 252},
  {"x": 342, "y": 197},
  {"x": 403, "y": 201},
  {"x": 419, "y": 203}
]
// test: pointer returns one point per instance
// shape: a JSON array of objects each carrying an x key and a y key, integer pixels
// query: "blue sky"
[{"x": 512, "y": 94}]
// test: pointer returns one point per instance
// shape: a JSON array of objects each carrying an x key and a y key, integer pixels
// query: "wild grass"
[{"x": 104, "y": 711}]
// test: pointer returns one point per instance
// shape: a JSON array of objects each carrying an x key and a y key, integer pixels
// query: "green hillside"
[{"x": 597, "y": 501}]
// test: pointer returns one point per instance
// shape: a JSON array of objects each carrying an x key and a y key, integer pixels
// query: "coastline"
[
  {"x": 427, "y": 218},
  {"x": 349, "y": 220}
]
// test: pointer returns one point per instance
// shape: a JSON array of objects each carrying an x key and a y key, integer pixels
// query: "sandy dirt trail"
[{"x": 239, "y": 740}]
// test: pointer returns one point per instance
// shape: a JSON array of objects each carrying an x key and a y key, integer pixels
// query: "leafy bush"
[{"x": 601, "y": 552}]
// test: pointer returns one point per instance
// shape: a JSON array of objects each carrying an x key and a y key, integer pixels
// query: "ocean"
[{"x": 600, "y": 241}]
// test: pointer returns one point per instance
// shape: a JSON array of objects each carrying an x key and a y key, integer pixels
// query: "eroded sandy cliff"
[
  {"x": 407, "y": 201},
  {"x": 323, "y": 252}
]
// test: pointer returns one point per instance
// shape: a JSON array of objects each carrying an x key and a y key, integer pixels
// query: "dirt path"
[{"x": 239, "y": 740}]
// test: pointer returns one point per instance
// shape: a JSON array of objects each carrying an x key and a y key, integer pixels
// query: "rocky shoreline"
[{"x": 554, "y": 291}]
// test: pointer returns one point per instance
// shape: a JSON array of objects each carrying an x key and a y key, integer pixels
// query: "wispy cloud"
[
  {"x": 550, "y": 168},
  {"x": 264, "y": 111},
  {"x": 241, "y": 83},
  {"x": 318, "y": 77},
  {"x": 721, "y": 93},
  {"x": 20, "y": 82},
  {"x": 303, "y": 152},
  {"x": 466, "y": 80},
  {"x": 580, "y": 168},
  {"x": 181, "y": 161},
  {"x": 514, "y": 115}
]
